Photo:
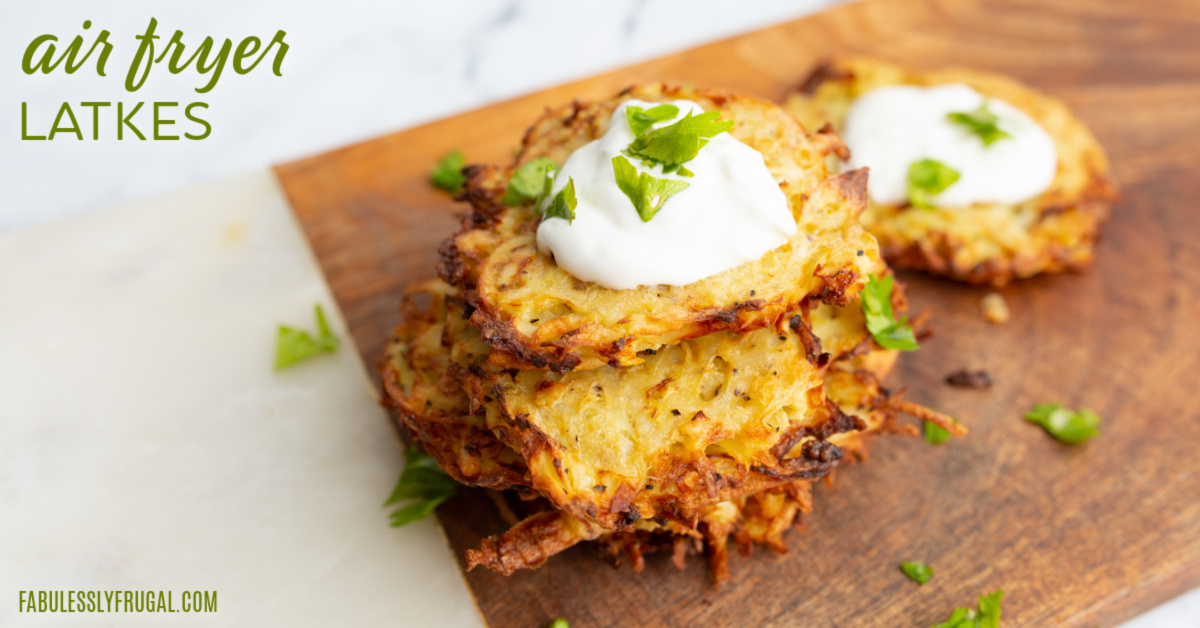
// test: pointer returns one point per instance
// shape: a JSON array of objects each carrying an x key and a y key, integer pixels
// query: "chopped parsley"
[
  {"x": 424, "y": 484},
  {"x": 641, "y": 119},
  {"x": 987, "y": 615},
  {"x": 647, "y": 193},
  {"x": 1069, "y": 427},
  {"x": 293, "y": 346},
  {"x": 926, "y": 179},
  {"x": 917, "y": 571},
  {"x": 447, "y": 173},
  {"x": 676, "y": 144},
  {"x": 888, "y": 332},
  {"x": 530, "y": 182},
  {"x": 935, "y": 434},
  {"x": 563, "y": 204},
  {"x": 982, "y": 122}
]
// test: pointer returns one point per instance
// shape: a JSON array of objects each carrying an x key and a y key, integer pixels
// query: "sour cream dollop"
[
  {"x": 889, "y": 128},
  {"x": 732, "y": 212}
]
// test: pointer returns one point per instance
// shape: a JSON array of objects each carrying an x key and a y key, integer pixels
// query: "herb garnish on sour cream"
[
  {"x": 646, "y": 192},
  {"x": 983, "y": 122},
  {"x": 926, "y": 179},
  {"x": 563, "y": 204},
  {"x": 641, "y": 119},
  {"x": 674, "y": 145},
  {"x": 891, "y": 128},
  {"x": 665, "y": 197}
]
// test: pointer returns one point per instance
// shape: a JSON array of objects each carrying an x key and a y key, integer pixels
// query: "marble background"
[{"x": 356, "y": 69}]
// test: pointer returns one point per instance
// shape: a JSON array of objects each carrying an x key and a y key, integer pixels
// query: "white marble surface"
[
  {"x": 357, "y": 68},
  {"x": 147, "y": 444}
]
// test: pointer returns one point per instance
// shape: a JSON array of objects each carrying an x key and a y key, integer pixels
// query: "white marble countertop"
[
  {"x": 356, "y": 69},
  {"x": 147, "y": 444}
]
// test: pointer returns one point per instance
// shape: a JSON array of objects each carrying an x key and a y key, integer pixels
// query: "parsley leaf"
[
  {"x": 982, "y": 122},
  {"x": 917, "y": 571},
  {"x": 529, "y": 182},
  {"x": 563, "y": 205},
  {"x": 926, "y": 179},
  {"x": 989, "y": 610},
  {"x": 1069, "y": 427},
  {"x": 424, "y": 483},
  {"x": 641, "y": 119},
  {"x": 293, "y": 346},
  {"x": 673, "y": 145},
  {"x": 986, "y": 616},
  {"x": 447, "y": 173},
  {"x": 935, "y": 434},
  {"x": 888, "y": 332},
  {"x": 648, "y": 194}
]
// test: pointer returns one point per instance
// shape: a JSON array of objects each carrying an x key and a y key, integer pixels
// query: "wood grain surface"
[{"x": 1083, "y": 536}]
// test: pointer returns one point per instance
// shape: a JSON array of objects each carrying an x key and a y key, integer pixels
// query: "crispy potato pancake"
[
  {"x": 987, "y": 242},
  {"x": 761, "y": 517},
  {"x": 435, "y": 350},
  {"x": 537, "y": 316},
  {"x": 433, "y": 405},
  {"x": 697, "y": 422}
]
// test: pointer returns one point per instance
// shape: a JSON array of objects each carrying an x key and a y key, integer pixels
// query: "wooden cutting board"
[{"x": 1083, "y": 536}]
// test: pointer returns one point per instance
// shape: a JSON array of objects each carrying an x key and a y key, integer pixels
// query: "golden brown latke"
[
  {"x": 435, "y": 350},
  {"x": 431, "y": 402},
  {"x": 536, "y": 315},
  {"x": 704, "y": 420},
  {"x": 987, "y": 242},
  {"x": 760, "y": 517}
]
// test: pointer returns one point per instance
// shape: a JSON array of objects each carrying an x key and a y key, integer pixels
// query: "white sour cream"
[
  {"x": 732, "y": 212},
  {"x": 891, "y": 127}
]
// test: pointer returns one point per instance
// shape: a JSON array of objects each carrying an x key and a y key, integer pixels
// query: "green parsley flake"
[
  {"x": 986, "y": 616},
  {"x": 917, "y": 571},
  {"x": 1069, "y": 427},
  {"x": 423, "y": 483},
  {"x": 641, "y": 119},
  {"x": 888, "y": 332},
  {"x": 563, "y": 205},
  {"x": 530, "y": 182},
  {"x": 926, "y": 179},
  {"x": 559, "y": 623},
  {"x": 293, "y": 346},
  {"x": 982, "y": 122},
  {"x": 676, "y": 144},
  {"x": 647, "y": 193},
  {"x": 935, "y": 434},
  {"x": 447, "y": 174}
]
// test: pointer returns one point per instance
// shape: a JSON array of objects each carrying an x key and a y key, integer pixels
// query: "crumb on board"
[
  {"x": 995, "y": 308},
  {"x": 976, "y": 380}
]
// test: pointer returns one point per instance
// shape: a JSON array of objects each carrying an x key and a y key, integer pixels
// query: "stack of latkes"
[{"x": 658, "y": 417}]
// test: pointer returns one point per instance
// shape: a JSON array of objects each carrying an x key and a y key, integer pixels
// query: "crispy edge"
[{"x": 484, "y": 191}]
